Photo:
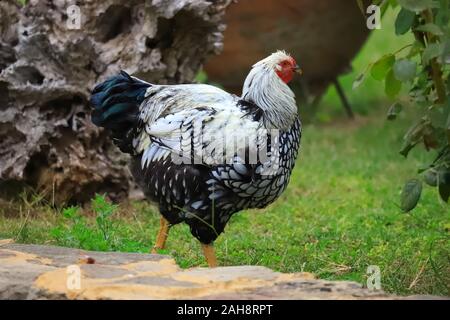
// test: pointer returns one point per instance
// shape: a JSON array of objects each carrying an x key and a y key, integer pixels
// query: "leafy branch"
[{"x": 424, "y": 69}]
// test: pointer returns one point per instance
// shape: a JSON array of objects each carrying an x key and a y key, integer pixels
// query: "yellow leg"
[
  {"x": 210, "y": 255},
  {"x": 162, "y": 235}
]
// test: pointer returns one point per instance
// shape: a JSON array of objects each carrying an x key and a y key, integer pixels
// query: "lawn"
[{"x": 338, "y": 216}]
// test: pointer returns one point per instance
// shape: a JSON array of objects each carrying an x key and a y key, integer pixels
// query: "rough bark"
[{"x": 47, "y": 71}]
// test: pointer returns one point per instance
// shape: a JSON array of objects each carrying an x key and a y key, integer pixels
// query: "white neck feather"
[{"x": 264, "y": 88}]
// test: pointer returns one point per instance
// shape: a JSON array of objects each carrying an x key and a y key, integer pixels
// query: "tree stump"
[{"x": 49, "y": 63}]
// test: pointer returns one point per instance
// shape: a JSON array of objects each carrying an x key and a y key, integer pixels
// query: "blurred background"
[{"x": 329, "y": 39}]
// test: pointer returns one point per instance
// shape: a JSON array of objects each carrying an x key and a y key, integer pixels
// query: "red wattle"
[{"x": 286, "y": 75}]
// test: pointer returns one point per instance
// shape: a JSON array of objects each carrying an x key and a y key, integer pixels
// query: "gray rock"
[{"x": 46, "y": 272}]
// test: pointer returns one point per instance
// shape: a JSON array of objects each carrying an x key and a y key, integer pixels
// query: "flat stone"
[
  {"x": 104, "y": 272},
  {"x": 227, "y": 274},
  {"x": 48, "y": 272},
  {"x": 157, "y": 281},
  {"x": 61, "y": 256}
]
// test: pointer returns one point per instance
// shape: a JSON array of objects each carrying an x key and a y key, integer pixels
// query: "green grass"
[{"x": 338, "y": 216}]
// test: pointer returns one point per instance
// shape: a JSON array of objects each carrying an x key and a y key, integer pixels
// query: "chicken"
[{"x": 200, "y": 153}]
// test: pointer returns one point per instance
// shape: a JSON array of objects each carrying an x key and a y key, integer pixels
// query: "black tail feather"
[{"x": 116, "y": 106}]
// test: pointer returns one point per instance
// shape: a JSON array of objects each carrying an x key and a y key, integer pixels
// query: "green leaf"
[
  {"x": 437, "y": 176},
  {"x": 406, "y": 148},
  {"x": 431, "y": 28},
  {"x": 392, "y": 86},
  {"x": 430, "y": 177},
  {"x": 438, "y": 116},
  {"x": 433, "y": 50},
  {"x": 444, "y": 176},
  {"x": 444, "y": 192},
  {"x": 413, "y": 137},
  {"x": 394, "y": 110},
  {"x": 358, "y": 81},
  {"x": 411, "y": 195},
  {"x": 382, "y": 67},
  {"x": 404, "y": 70},
  {"x": 418, "y": 5},
  {"x": 404, "y": 21}
]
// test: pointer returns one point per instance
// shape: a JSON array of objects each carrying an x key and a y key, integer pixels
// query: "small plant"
[
  {"x": 422, "y": 66},
  {"x": 201, "y": 77},
  {"x": 104, "y": 210},
  {"x": 75, "y": 231}
]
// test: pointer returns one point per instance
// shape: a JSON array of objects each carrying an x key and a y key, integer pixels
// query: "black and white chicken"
[{"x": 201, "y": 153}]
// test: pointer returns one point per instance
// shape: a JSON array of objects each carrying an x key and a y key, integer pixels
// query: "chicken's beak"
[{"x": 298, "y": 70}]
